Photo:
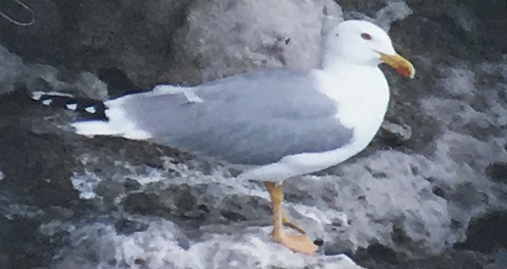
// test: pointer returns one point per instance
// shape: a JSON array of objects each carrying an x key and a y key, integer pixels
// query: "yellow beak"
[{"x": 402, "y": 65}]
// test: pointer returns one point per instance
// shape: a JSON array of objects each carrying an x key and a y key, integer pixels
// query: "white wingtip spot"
[
  {"x": 91, "y": 109},
  {"x": 37, "y": 95},
  {"x": 47, "y": 102},
  {"x": 71, "y": 106}
]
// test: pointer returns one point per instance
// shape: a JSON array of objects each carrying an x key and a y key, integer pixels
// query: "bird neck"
[
  {"x": 361, "y": 93},
  {"x": 336, "y": 64}
]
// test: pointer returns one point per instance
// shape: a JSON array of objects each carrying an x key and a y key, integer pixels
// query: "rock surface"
[{"x": 429, "y": 192}]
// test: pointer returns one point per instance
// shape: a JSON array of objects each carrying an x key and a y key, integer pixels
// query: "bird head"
[{"x": 365, "y": 43}]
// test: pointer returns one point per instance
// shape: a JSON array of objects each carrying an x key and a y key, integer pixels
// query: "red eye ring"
[{"x": 366, "y": 36}]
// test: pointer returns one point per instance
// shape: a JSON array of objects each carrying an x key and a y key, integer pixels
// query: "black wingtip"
[{"x": 86, "y": 108}]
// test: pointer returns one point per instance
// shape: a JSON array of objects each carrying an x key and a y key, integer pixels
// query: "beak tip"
[{"x": 402, "y": 65}]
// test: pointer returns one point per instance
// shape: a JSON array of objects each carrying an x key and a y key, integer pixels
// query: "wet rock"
[
  {"x": 36, "y": 166},
  {"x": 45, "y": 31},
  {"x": 144, "y": 203},
  {"x": 486, "y": 233},
  {"x": 22, "y": 245},
  {"x": 128, "y": 227},
  {"x": 240, "y": 208},
  {"x": 497, "y": 172},
  {"x": 131, "y": 184},
  {"x": 382, "y": 253}
]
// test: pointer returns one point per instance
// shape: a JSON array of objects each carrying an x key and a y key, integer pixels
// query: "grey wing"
[{"x": 248, "y": 119}]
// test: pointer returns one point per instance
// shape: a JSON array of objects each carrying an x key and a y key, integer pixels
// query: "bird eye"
[{"x": 366, "y": 36}]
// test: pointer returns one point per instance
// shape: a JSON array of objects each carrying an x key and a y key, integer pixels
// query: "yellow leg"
[
  {"x": 286, "y": 221},
  {"x": 296, "y": 242}
]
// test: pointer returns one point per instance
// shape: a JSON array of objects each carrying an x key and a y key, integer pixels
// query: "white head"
[{"x": 363, "y": 43}]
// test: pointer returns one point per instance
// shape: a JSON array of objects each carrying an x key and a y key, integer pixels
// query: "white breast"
[{"x": 362, "y": 96}]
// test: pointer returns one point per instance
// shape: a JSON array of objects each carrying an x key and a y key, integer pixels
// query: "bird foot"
[{"x": 296, "y": 242}]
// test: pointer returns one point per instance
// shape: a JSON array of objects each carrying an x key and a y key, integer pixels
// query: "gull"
[{"x": 274, "y": 124}]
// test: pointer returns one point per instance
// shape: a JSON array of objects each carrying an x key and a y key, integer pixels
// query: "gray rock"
[
  {"x": 218, "y": 38},
  {"x": 421, "y": 196}
]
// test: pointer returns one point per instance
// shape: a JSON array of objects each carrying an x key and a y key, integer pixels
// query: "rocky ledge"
[{"x": 429, "y": 192}]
